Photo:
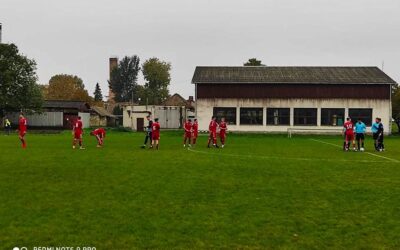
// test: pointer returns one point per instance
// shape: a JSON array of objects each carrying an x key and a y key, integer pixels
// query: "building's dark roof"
[
  {"x": 317, "y": 75},
  {"x": 66, "y": 104},
  {"x": 101, "y": 111}
]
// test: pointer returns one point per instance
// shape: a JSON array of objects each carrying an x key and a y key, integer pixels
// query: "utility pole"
[{"x": 0, "y": 31}]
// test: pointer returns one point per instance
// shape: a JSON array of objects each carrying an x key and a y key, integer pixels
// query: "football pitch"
[{"x": 259, "y": 192}]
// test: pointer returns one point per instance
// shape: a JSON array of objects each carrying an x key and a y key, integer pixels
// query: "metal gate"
[{"x": 169, "y": 117}]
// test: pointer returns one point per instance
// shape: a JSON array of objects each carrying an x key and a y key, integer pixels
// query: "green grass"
[{"x": 261, "y": 191}]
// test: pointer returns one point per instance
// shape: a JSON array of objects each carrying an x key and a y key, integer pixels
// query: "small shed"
[{"x": 100, "y": 117}]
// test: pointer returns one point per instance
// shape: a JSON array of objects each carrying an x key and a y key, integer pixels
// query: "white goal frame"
[{"x": 314, "y": 131}]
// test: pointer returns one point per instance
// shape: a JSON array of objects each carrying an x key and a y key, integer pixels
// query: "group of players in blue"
[{"x": 356, "y": 133}]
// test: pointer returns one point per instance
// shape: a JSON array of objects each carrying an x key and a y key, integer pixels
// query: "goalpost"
[{"x": 314, "y": 131}]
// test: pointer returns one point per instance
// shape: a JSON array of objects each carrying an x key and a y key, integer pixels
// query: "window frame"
[
  {"x": 279, "y": 117},
  {"x": 329, "y": 117},
  {"x": 355, "y": 118},
  {"x": 227, "y": 119},
  {"x": 260, "y": 112},
  {"x": 301, "y": 124}
]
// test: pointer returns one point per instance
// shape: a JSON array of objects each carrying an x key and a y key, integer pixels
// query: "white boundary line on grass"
[
  {"x": 335, "y": 145},
  {"x": 279, "y": 158}
]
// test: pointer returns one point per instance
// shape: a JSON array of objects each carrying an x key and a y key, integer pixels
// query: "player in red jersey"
[
  {"x": 212, "y": 129},
  {"x": 23, "y": 123},
  {"x": 222, "y": 131},
  {"x": 195, "y": 132},
  {"x": 100, "y": 134},
  {"x": 348, "y": 131},
  {"x": 77, "y": 132},
  {"x": 156, "y": 133},
  {"x": 188, "y": 126}
]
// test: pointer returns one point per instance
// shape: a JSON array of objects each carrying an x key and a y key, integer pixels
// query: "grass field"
[{"x": 261, "y": 191}]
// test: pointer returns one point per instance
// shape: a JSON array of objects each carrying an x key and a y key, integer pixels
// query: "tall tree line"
[{"x": 124, "y": 80}]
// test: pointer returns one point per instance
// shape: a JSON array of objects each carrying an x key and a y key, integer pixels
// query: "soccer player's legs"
[
  {"x": 222, "y": 138},
  {"x": 99, "y": 141},
  {"x": 187, "y": 138},
  {"x": 194, "y": 139},
  {"x": 22, "y": 139}
]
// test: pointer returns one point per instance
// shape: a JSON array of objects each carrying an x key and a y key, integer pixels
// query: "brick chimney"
[{"x": 113, "y": 63}]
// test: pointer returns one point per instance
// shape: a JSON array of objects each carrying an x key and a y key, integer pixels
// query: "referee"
[{"x": 148, "y": 132}]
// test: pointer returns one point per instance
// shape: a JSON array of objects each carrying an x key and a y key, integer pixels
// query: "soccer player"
[
  {"x": 7, "y": 126},
  {"x": 348, "y": 130},
  {"x": 156, "y": 133},
  {"x": 23, "y": 123},
  {"x": 212, "y": 129},
  {"x": 78, "y": 131},
  {"x": 222, "y": 131},
  {"x": 188, "y": 126},
  {"x": 195, "y": 132},
  {"x": 148, "y": 132},
  {"x": 374, "y": 130},
  {"x": 380, "y": 145},
  {"x": 100, "y": 134},
  {"x": 360, "y": 129}
]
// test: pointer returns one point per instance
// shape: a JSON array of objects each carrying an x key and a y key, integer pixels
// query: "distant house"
[
  {"x": 57, "y": 114},
  {"x": 100, "y": 117},
  {"x": 171, "y": 113},
  {"x": 70, "y": 111},
  {"x": 177, "y": 100},
  {"x": 277, "y": 99}
]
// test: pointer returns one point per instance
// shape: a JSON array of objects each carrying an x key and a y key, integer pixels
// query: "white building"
[{"x": 275, "y": 99}]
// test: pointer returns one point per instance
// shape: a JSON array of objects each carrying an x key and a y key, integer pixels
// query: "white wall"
[
  {"x": 204, "y": 110},
  {"x": 169, "y": 116},
  {"x": 45, "y": 119},
  {"x": 85, "y": 117}
]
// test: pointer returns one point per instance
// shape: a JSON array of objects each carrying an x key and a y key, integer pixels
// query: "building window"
[
  {"x": 228, "y": 113},
  {"x": 306, "y": 116},
  {"x": 364, "y": 114},
  {"x": 332, "y": 117},
  {"x": 278, "y": 116},
  {"x": 251, "y": 116}
]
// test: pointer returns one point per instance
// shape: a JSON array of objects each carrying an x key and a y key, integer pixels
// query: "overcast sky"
[{"x": 78, "y": 36}]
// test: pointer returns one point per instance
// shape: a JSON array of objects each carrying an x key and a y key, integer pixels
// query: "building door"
[{"x": 139, "y": 124}]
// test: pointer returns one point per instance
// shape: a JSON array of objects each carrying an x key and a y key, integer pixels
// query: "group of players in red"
[
  {"x": 77, "y": 132},
  {"x": 192, "y": 132}
]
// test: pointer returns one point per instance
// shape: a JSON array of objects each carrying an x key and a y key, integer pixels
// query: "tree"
[
  {"x": 67, "y": 87},
  {"x": 253, "y": 62},
  {"x": 18, "y": 87},
  {"x": 98, "y": 96},
  {"x": 396, "y": 105},
  {"x": 123, "y": 80},
  {"x": 157, "y": 76}
]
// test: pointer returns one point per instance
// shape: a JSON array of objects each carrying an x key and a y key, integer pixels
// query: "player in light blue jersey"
[{"x": 360, "y": 130}]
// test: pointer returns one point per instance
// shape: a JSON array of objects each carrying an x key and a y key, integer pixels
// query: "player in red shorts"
[
  {"x": 78, "y": 131},
  {"x": 222, "y": 131},
  {"x": 187, "y": 137},
  {"x": 156, "y": 133},
  {"x": 212, "y": 129},
  {"x": 348, "y": 130},
  {"x": 195, "y": 132},
  {"x": 100, "y": 134},
  {"x": 23, "y": 123}
]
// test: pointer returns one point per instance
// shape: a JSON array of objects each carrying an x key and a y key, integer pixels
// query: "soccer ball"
[{"x": 362, "y": 149}]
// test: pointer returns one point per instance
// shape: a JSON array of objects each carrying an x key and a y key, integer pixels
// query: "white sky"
[{"x": 78, "y": 36}]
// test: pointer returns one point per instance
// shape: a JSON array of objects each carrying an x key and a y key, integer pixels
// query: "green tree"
[
  {"x": 158, "y": 77},
  {"x": 67, "y": 87},
  {"x": 98, "y": 96},
  {"x": 18, "y": 87},
  {"x": 396, "y": 105},
  {"x": 253, "y": 62},
  {"x": 123, "y": 80}
]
